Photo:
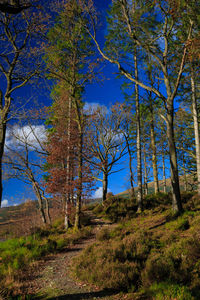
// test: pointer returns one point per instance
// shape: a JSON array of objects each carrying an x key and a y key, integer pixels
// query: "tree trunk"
[
  {"x": 105, "y": 186},
  {"x": 66, "y": 213},
  {"x": 40, "y": 202},
  {"x": 47, "y": 212},
  {"x": 184, "y": 173},
  {"x": 196, "y": 126},
  {"x": 139, "y": 157},
  {"x": 163, "y": 168},
  {"x": 176, "y": 196},
  {"x": 132, "y": 193},
  {"x": 68, "y": 166},
  {"x": 154, "y": 152},
  {"x": 77, "y": 223},
  {"x": 145, "y": 172},
  {"x": 2, "y": 143}
]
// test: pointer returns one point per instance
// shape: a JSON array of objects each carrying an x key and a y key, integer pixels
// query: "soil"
[{"x": 50, "y": 278}]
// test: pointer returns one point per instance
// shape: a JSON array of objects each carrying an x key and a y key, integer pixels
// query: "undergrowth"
[
  {"x": 153, "y": 255},
  {"x": 18, "y": 254}
]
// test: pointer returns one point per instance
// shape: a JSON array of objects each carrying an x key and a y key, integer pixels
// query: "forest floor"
[{"x": 51, "y": 277}]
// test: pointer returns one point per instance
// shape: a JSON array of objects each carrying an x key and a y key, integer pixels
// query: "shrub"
[
  {"x": 103, "y": 234},
  {"x": 154, "y": 200},
  {"x": 118, "y": 208},
  {"x": 168, "y": 291},
  {"x": 181, "y": 223}
]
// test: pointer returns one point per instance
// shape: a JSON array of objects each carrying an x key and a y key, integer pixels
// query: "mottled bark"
[
  {"x": 196, "y": 126},
  {"x": 154, "y": 151},
  {"x": 176, "y": 196},
  {"x": 138, "y": 140},
  {"x": 163, "y": 169}
]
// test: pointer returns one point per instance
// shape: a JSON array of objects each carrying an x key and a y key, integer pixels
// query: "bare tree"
[
  {"x": 19, "y": 62},
  {"x": 106, "y": 142},
  {"x": 24, "y": 157}
]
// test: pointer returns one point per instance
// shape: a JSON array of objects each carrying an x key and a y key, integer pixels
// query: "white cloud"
[
  {"x": 99, "y": 192},
  {"x": 18, "y": 136},
  {"x": 91, "y": 107},
  {"x": 4, "y": 203}
]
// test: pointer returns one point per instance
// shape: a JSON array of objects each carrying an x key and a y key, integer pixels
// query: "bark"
[
  {"x": 77, "y": 223},
  {"x": 154, "y": 152},
  {"x": 105, "y": 186},
  {"x": 132, "y": 192},
  {"x": 184, "y": 173},
  {"x": 163, "y": 168},
  {"x": 145, "y": 172},
  {"x": 196, "y": 126},
  {"x": 176, "y": 196},
  {"x": 47, "y": 212},
  {"x": 40, "y": 201},
  {"x": 66, "y": 212},
  {"x": 139, "y": 156},
  {"x": 2, "y": 143}
]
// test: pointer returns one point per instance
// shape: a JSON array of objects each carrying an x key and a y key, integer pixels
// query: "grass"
[
  {"x": 19, "y": 253},
  {"x": 154, "y": 255}
]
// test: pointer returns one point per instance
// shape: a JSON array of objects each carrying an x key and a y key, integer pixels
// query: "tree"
[
  {"x": 20, "y": 61},
  {"x": 13, "y": 6},
  {"x": 68, "y": 59},
  {"x": 158, "y": 32},
  {"x": 195, "y": 121},
  {"x": 106, "y": 142},
  {"x": 126, "y": 131},
  {"x": 24, "y": 158}
]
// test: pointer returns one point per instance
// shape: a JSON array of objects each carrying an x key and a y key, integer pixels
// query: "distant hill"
[{"x": 190, "y": 181}]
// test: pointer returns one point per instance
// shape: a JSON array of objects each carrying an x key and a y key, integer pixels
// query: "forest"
[{"x": 145, "y": 239}]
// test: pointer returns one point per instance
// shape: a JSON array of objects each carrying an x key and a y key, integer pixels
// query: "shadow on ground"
[{"x": 87, "y": 295}]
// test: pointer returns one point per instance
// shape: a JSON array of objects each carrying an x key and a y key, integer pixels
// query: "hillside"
[
  {"x": 191, "y": 185},
  {"x": 152, "y": 255}
]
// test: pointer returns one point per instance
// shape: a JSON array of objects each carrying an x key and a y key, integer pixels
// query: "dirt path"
[{"x": 52, "y": 279}]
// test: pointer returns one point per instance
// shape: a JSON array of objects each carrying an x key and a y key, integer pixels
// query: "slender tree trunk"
[
  {"x": 80, "y": 179},
  {"x": 47, "y": 212},
  {"x": 176, "y": 201},
  {"x": 196, "y": 126},
  {"x": 105, "y": 186},
  {"x": 2, "y": 143},
  {"x": 68, "y": 166},
  {"x": 145, "y": 172},
  {"x": 132, "y": 194},
  {"x": 40, "y": 202},
  {"x": 139, "y": 156},
  {"x": 163, "y": 169},
  {"x": 154, "y": 152},
  {"x": 184, "y": 173},
  {"x": 66, "y": 212}
]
